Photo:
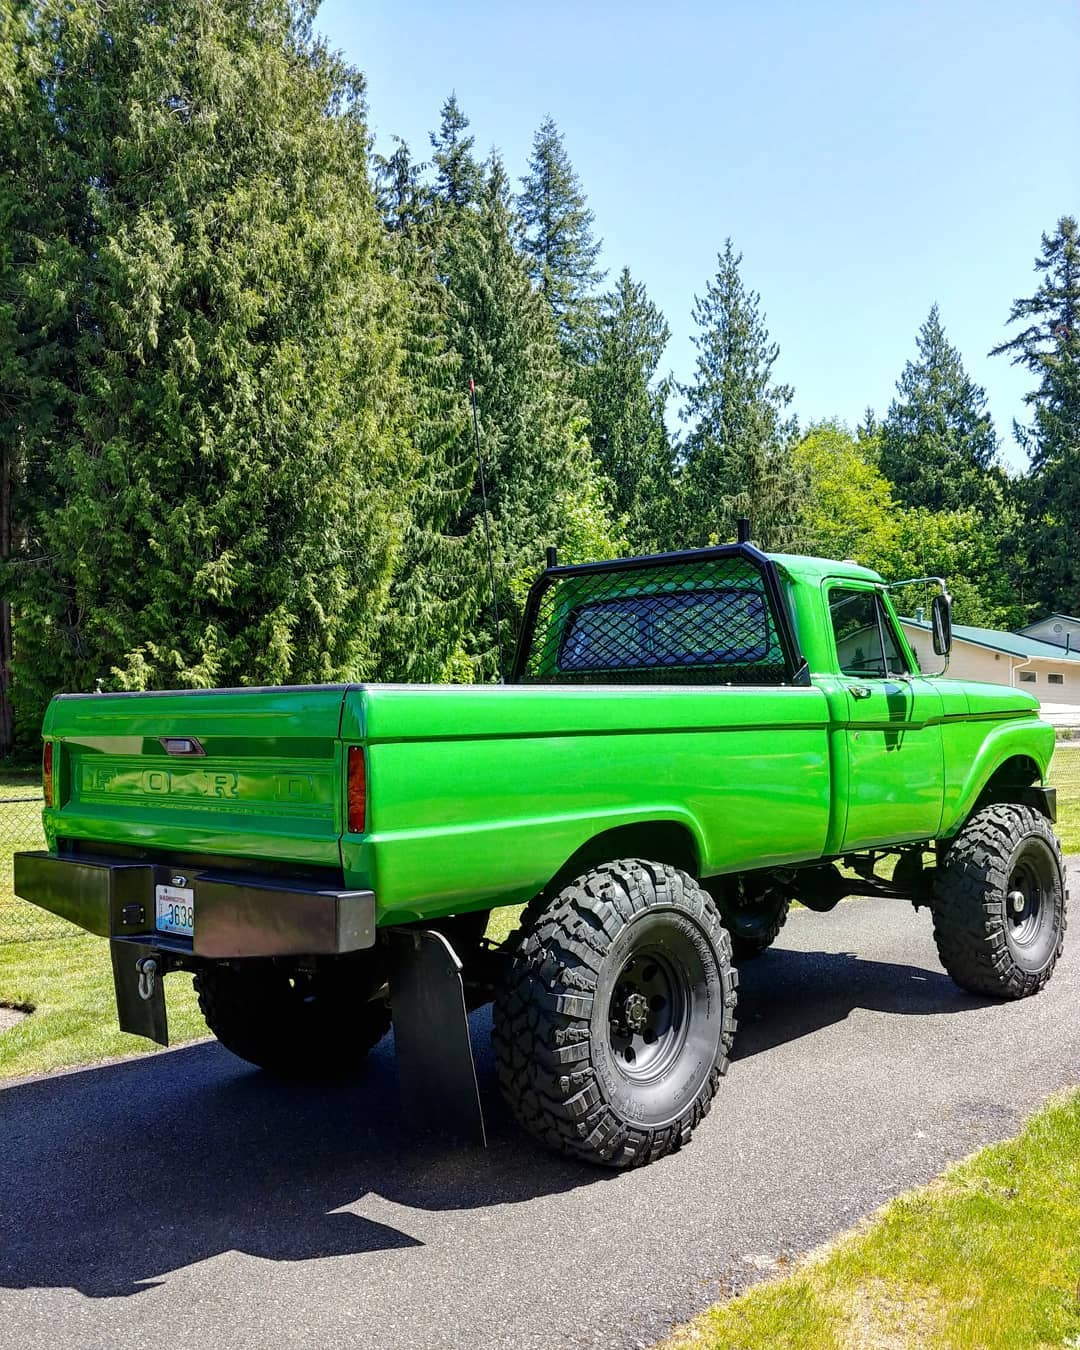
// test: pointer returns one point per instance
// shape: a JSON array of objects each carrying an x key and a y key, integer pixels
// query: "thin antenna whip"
[{"x": 487, "y": 524}]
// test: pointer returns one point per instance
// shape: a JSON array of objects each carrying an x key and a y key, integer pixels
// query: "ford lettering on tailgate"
[{"x": 307, "y": 791}]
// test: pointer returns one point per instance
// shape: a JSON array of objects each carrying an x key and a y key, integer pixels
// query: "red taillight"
[
  {"x": 357, "y": 790},
  {"x": 47, "y": 773}
]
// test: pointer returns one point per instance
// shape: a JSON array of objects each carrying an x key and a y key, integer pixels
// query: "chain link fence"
[
  {"x": 1065, "y": 771},
  {"x": 20, "y": 828}
]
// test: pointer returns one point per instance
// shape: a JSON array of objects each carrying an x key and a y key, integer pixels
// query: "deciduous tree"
[{"x": 850, "y": 511}]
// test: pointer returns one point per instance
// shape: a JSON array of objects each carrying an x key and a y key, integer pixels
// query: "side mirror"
[{"x": 941, "y": 623}]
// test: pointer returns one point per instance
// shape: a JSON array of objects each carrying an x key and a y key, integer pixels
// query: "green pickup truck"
[{"x": 688, "y": 744}]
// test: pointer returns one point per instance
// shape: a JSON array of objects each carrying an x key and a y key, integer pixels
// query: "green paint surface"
[{"x": 479, "y": 795}]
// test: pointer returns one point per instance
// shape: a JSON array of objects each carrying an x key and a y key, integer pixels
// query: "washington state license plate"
[{"x": 175, "y": 906}]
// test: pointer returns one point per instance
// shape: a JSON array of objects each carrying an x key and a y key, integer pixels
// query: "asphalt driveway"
[{"x": 184, "y": 1200}]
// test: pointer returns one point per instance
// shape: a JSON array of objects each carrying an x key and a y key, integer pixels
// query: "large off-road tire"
[
  {"x": 614, "y": 1024},
  {"x": 754, "y": 931},
  {"x": 752, "y": 914},
  {"x": 999, "y": 903},
  {"x": 314, "y": 1026}
]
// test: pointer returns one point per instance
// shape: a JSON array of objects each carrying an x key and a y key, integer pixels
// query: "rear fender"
[{"x": 675, "y": 841}]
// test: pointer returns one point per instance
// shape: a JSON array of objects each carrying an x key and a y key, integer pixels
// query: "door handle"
[{"x": 860, "y": 690}]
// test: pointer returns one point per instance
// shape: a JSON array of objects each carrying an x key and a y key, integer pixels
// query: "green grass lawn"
[
  {"x": 68, "y": 984},
  {"x": 1068, "y": 825},
  {"x": 503, "y": 922},
  {"x": 1065, "y": 776},
  {"x": 985, "y": 1258}
]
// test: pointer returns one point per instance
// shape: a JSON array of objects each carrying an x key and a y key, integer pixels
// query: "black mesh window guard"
[{"x": 705, "y": 616}]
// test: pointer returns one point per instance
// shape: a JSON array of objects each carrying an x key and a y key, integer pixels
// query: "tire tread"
[
  {"x": 969, "y": 928},
  {"x": 540, "y": 1022}
]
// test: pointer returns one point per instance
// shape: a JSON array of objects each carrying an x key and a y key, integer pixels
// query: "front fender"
[{"x": 1030, "y": 738}]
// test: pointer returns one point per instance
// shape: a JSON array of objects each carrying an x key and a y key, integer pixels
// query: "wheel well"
[
  {"x": 662, "y": 841},
  {"x": 1019, "y": 771},
  {"x": 1018, "y": 780}
]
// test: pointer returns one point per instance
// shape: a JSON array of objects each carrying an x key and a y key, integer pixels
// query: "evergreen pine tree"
[
  {"x": 432, "y": 599},
  {"x": 1049, "y": 346},
  {"x": 541, "y": 484},
  {"x": 938, "y": 443},
  {"x": 224, "y": 460},
  {"x": 868, "y": 432},
  {"x": 458, "y": 175},
  {"x": 737, "y": 458},
  {"x": 558, "y": 241},
  {"x": 622, "y": 347},
  {"x": 399, "y": 188},
  {"x": 36, "y": 256}
]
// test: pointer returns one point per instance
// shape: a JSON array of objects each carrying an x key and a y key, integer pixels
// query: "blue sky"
[{"x": 867, "y": 159}]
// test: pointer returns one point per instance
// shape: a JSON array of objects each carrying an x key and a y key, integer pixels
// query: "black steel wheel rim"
[
  {"x": 648, "y": 1014},
  {"x": 1026, "y": 902},
  {"x": 662, "y": 998},
  {"x": 1033, "y": 909}
]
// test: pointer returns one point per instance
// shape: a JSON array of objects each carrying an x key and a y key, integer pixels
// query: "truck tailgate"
[{"x": 248, "y": 772}]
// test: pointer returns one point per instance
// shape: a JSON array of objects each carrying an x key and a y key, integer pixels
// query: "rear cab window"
[
  {"x": 708, "y": 617},
  {"x": 696, "y": 628}
]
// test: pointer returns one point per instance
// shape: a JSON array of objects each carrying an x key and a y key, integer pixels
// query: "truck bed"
[{"x": 476, "y": 794}]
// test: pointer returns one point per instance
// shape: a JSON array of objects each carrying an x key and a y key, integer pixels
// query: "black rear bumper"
[{"x": 236, "y": 915}]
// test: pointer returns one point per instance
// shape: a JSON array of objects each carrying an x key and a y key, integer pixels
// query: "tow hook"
[{"x": 147, "y": 969}]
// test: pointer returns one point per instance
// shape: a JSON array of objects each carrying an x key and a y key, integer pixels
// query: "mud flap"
[
  {"x": 436, "y": 1071},
  {"x": 140, "y": 995}
]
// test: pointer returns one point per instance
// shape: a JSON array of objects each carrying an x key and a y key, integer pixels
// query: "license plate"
[{"x": 175, "y": 910}]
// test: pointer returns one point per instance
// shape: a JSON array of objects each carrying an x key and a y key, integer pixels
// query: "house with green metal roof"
[
  {"x": 1060, "y": 630},
  {"x": 1048, "y": 669}
]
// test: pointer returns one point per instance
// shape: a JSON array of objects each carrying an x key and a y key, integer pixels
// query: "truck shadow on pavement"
[
  {"x": 111, "y": 1178},
  {"x": 785, "y": 994}
]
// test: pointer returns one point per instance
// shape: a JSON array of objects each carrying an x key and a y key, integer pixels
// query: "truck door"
[{"x": 891, "y": 720}]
